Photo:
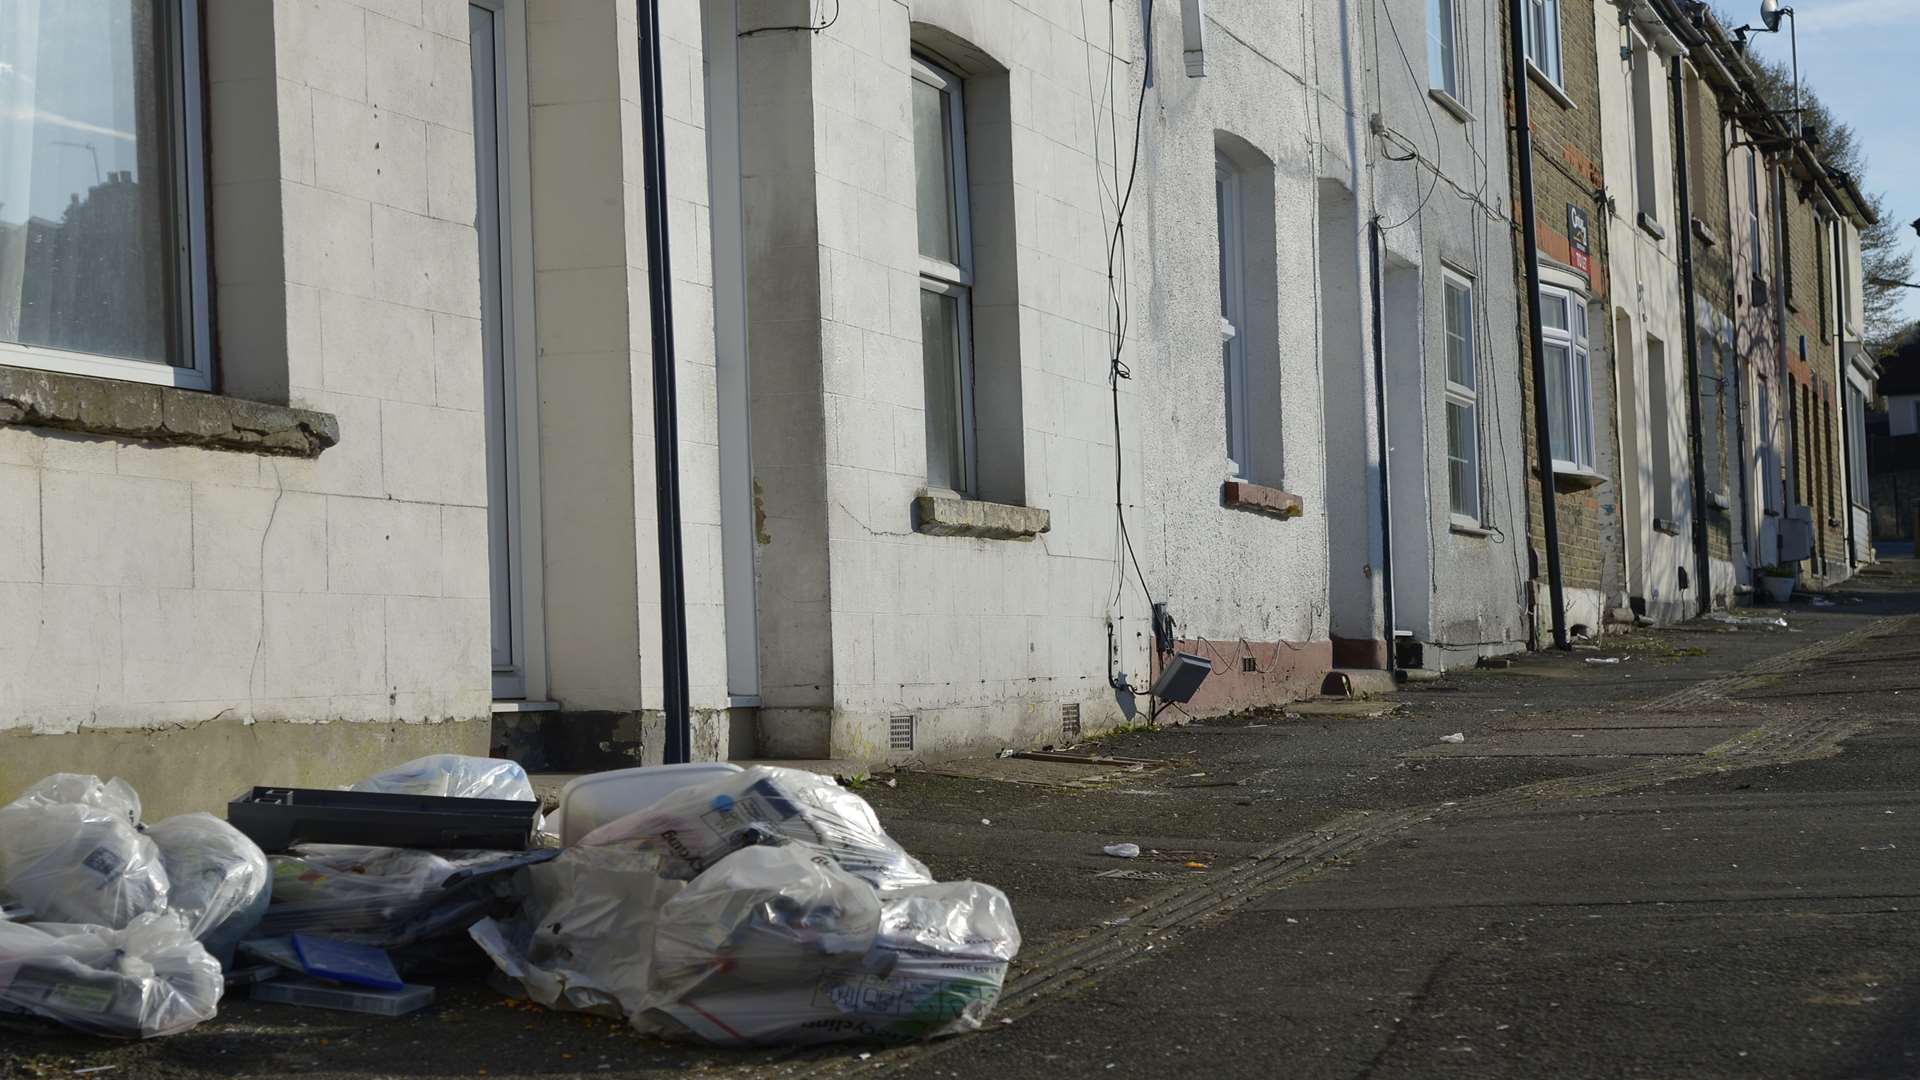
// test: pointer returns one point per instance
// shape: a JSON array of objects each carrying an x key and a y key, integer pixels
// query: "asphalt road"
[{"x": 1698, "y": 861}]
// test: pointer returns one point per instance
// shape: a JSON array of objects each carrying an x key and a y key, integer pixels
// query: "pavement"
[{"x": 1687, "y": 852}]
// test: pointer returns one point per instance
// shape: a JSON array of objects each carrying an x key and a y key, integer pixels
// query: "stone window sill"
[
  {"x": 951, "y": 515},
  {"x": 1651, "y": 227},
  {"x": 1670, "y": 528},
  {"x": 1260, "y": 499},
  {"x": 162, "y": 414},
  {"x": 1569, "y": 477},
  {"x": 1466, "y": 526},
  {"x": 1705, "y": 234},
  {"x": 1452, "y": 104},
  {"x": 1545, "y": 82}
]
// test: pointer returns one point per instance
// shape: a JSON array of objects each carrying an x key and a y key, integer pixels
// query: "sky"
[{"x": 1860, "y": 56}]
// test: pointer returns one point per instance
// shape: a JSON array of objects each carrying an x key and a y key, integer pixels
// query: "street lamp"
[{"x": 1770, "y": 12}]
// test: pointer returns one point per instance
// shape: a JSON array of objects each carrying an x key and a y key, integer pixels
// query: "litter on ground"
[{"x": 755, "y": 907}]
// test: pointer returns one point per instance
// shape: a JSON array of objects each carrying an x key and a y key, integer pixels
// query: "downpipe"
[{"x": 666, "y": 423}]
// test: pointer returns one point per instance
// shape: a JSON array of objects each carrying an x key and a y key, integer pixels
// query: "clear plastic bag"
[
  {"x": 775, "y": 946},
  {"x": 584, "y": 936},
  {"x": 61, "y": 789},
  {"x": 217, "y": 879},
  {"x": 385, "y": 896},
  {"x": 454, "y": 774},
  {"x": 80, "y": 861},
  {"x": 694, "y": 828},
  {"x": 151, "y": 978}
]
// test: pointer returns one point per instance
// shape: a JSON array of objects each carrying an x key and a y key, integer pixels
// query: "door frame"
[{"x": 520, "y": 352}]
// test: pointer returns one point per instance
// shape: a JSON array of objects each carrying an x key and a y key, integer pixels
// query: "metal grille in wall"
[{"x": 900, "y": 732}]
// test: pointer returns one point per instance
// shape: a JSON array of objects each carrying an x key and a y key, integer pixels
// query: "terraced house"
[{"x": 595, "y": 381}]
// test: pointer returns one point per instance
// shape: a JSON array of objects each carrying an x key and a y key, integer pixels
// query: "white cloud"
[{"x": 1839, "y": 15}]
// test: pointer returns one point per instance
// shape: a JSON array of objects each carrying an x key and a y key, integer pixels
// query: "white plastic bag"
[
  {"x": 151, "y": 978},
  {"x": 584, "y": 937},
  {"x": 217, "y": 879},
  {"x": 775, "y": 946},
  {"x": 456, "y": 775},
  {"x": 80, "y": 861},
  {"x": 697, "y": 826}
]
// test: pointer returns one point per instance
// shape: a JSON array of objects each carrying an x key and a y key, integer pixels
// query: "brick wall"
[
  {"x": 1816, "y": 457},
  {"x": 1567, "y": 173}
]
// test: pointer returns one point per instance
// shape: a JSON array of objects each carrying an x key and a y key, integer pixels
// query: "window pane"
[
  {"x": 87, "y": 231},
  {"x": 1580, "y": 406},
  {"x": 940, "y": 354},
  {"x": 1559, "y": 415},
  {"x": 933, "y": 172},
  {"x": 1459, "y": 335},
  {"x": 1553, "y": 310},
  {"x": 1463, "y": 477},
  {"x": 1440, "y": 46}
]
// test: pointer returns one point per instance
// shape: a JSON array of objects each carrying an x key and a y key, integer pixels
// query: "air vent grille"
[
  {"x": 1247, "y": 664},
  {"x": 900, "y": 732},
  {"x": 1070, "y": 720}
]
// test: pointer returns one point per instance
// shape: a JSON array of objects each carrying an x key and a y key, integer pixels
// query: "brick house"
[{"x": 1571, "y": 203}]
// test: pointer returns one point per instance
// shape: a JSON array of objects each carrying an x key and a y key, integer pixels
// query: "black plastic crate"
[{"x": 277, "y": 818}]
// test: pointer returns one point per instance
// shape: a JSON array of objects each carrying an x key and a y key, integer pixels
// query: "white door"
[{"x": 490, "y": 37}]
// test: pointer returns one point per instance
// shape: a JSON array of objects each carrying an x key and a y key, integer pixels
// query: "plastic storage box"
[
  {"x": 344, "y": 998},
  {"x": 277, "y": 818}
]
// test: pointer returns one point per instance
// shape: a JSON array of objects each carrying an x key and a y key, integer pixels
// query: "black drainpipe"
[
  {"x": 1530, "y": 240},
  {"x": 666, "y": 424},
  {"x": 1376, "y": 242},
  {"x": 1846, "y": 423},
  {"x": 1702, "y": 568}
]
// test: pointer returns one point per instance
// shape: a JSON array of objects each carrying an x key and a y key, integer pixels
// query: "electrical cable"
[
  {"x": 814, "y": 27},
  {"x": 1411, "y": 74}
]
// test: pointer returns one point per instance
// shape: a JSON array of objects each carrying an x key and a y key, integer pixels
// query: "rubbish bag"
[
  {"x": 69, "y": 850},
  {"x": 454, "y": 774},
  {"x": 697, "y": 826},
  {"x": 459, "y": 776},
  {"x": 386, "y": 896},
  {"x": 583, "y": 938},
  {"x": 151, "y": 978},
  {"x": 217, "y": 879},
  {"x": 61, "y": 789},
  {"x": 776, "y": 946},
  {"x": 778, "y": 912}
]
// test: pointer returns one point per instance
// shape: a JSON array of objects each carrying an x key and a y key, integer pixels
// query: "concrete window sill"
[
  {"x": 1261, "y": 499},
  {"x": 1570, "y": 477},
  {"x": 951, "y": 515},
  {"x": 1670, "y": 528},
  {"x": 1460, "y": 526},
  {"x": 161, "y": 414},
  {"x": 1651, "y": 227},
  {"x": 1705, "y": 234},
  {"x": 1552, "y": 88},
  {"x": 1452, "y": 104}
]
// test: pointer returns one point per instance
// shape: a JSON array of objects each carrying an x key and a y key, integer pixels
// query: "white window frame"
[
  {"x": 1443, "y": 48},
  {"x": 955, "y": 279},
  {"x": 1463, "y": 395},
  {"x": 195, "y": 369},
  {"x": 1544, "y": 56},
  {"x": 1578, "y": 378},
  {"x": 1233, "y": 315},
  {"x": 1753, "y": 215}
]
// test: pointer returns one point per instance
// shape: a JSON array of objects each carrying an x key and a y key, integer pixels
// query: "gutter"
[{"x": 666, "y": 412}]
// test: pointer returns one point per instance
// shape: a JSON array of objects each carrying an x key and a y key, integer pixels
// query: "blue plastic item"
[{"x": 346, "y": 962}]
